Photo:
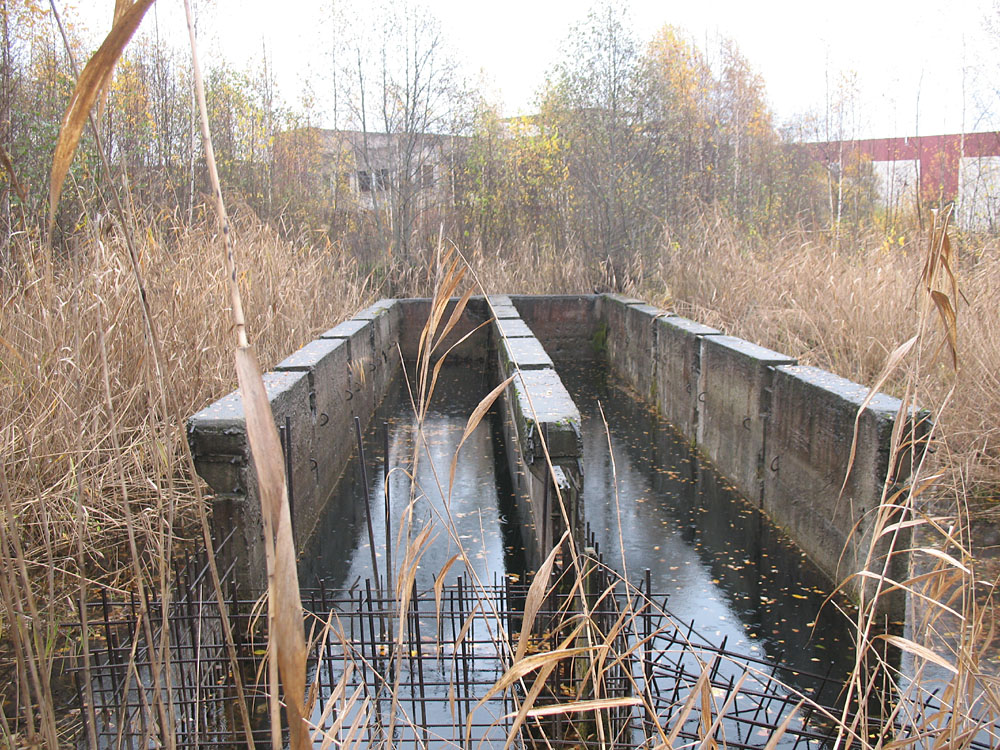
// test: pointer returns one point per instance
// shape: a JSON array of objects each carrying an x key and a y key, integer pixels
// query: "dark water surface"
[
  {"x": 338, "y": 552},
  {"x": 725, "y": 568}
]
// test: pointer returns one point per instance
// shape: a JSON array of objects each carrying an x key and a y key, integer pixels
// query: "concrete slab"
[
  {"x": 543, "y": 406},
  {"x": 514, "y": 328},
  {"x": 312, "y": 354},
  {"x": 526, "y": 354},
  {"x": 678, "y": 364},
  {"x": 734, "y": 405},
  {"x": 505, "y": 311},
  {"x": 621, "y": 299},
  {"x": 345, "y": 330},
  {"x": 382, "y": 307}
]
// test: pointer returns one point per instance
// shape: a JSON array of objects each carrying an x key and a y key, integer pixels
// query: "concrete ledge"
[
  {"x": 678, "y": 366},
  {"x": 733, "y": 408},
  {"x": 523, "y": 354}
]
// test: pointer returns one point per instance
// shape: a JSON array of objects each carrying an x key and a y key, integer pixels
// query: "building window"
[
  {"x": 364, "y": 181},
  {"x": 427, "y": 176}
]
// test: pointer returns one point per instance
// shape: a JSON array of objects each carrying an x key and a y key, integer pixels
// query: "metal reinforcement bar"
[{"x": 433, "y": 683}]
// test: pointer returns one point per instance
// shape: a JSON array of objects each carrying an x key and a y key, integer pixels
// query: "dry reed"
[{"x": 842, "y": 311}]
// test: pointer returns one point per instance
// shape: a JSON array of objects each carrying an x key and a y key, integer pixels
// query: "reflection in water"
[
  {"x": 722, "y": 563},
  {"x": 338, "y": 551}
]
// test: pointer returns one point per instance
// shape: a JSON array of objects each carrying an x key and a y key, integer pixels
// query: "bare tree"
[{"x": 404, "y": 97}]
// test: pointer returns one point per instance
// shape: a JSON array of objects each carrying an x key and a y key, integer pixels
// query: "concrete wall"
[
  {"x": 678, "y": 370},
  {"x": 315, "y": 394},
  {"x": 808, "y": 455},
  {"x": 780, "y": 432},
  {"x": 567, "y": 326}
]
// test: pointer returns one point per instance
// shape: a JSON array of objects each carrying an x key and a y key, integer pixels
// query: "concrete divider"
[{"x": 536, "y": 408}]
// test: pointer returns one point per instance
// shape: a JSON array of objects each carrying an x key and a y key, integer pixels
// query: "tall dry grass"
[
  {"x": 55, "y": 421},
  {"x": 795, "y": 293}
]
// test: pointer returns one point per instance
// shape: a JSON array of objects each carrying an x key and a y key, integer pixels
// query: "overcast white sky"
[{"x": 932, "y": 67}]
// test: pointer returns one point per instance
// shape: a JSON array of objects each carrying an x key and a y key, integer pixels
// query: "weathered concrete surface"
[
  {"x": 638, "y": 350},
  {"x": 543, "y": 407},
  {"x": 222, "y": 457},
  {"x": 326, "y": 363},
  {"x": 566, "y": 325},
  {"x": 613, "y": 313},
  {"x": 505, "y": 311},
  {"x": 678, "y": 367},
  {"x": 513, "y": 328},
  {"x": 734, "y": 405},
  {"x": 359, "y": 335},
  {"x": 631, "y": 331},
  {"x": 385, "y": 316},
  {"x": 524, "y": 354},
  {"x": 413, "y": 317},
  {"x": 808, "y": 453}
]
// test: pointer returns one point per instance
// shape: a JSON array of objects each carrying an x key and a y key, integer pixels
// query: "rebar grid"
[{"x": 425, "y": 677}]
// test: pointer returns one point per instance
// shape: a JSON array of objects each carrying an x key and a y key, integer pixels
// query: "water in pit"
[
  {"x": 725, "y": 568},
  {"x": 723, "y": 565}
]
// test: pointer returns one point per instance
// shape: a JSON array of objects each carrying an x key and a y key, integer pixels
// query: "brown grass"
[{"x": 842, "y": 311}]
